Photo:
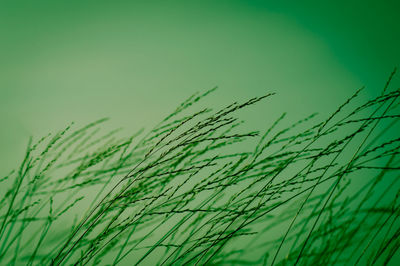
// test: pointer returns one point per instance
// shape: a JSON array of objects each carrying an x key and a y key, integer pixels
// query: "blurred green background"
[{"x": 63, "y": 61}]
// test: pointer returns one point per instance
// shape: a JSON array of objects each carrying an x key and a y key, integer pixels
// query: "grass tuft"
[{"x": 200, "y": 189}]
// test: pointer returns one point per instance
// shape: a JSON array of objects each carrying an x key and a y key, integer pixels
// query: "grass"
[{"x": 199, "y": 189}]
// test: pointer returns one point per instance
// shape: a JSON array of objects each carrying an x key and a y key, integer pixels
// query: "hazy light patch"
[{"x": 136, "y": 63}]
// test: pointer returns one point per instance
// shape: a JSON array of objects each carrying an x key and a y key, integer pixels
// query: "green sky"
[{"x": 64, "y": 61}]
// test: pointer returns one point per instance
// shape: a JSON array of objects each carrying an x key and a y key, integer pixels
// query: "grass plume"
[{"x": 200, "y": 189}]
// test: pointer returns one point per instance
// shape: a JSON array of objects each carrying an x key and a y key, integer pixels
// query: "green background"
[{"x": 63, "y": 61}]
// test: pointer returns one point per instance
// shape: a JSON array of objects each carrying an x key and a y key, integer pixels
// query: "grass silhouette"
[{"x": 199, "y": 189}]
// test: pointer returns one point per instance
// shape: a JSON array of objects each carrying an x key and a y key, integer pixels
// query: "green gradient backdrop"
[{"x": 63, "y": 61}]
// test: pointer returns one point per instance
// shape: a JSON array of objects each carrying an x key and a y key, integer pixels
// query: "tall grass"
[{"x": 200, "y": 189}]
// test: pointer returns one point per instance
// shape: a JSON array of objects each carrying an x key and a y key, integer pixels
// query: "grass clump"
[{"x": 198, "y": 189}]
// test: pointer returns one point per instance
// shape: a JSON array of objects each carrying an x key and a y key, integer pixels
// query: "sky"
[{"x": 134, "y": 61}]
